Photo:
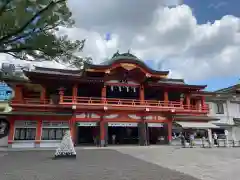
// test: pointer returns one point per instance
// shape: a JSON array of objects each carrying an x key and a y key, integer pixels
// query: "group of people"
[
  {"x": 184, "y": 138},
  {"x": 96, "y": 140},
  {"x": 190, "y": 137}
]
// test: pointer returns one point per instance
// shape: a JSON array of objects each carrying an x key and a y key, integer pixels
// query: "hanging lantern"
[
  {"x": 111, "y": 88},
  {"x": 127, "y": 89},
  {"x": 120, "y": 88},
  {"x": 134, "y": 89}
]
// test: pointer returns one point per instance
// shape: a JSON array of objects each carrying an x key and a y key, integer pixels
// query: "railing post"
[
  {"x": 103, "y": 94},
  {"x": 188, "y": 101},
  {"x": 74, "y": 93},
  {"x": 203, "y": 103},
  {"x": 181, "y": 100},
  {"x": 198, "y": 105},
  {"x": 43, "y": 95},
  {"x": 18, "y": 93},
  {"x": 142, "y": 96},
  {"x": 61, "y": 94},
  {"x": 166, "y": 100}
]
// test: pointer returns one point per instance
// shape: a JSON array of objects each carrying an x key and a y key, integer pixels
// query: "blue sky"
[{"x": 209, "y": 11}]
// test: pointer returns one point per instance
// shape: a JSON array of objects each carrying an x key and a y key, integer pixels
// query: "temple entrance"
[
  {"x": 88, "y": 133},
  {"x": 157, "y": 133},
  {"x": 122, "y": 133}
]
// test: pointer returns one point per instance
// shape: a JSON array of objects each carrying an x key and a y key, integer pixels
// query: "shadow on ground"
[{"x": 90, "y": 164}]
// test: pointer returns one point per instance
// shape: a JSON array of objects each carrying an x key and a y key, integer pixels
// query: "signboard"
[
  {"x": 52, "y": 124},
  {"x": 25, "y": 123},
  {"x": 119, "y": 124},
  {"x": 5, "y": 92},
  {"x": 155, "y": 125},
  {"x": 87, "y": 124},
  {"x": 4, "y": 128}
]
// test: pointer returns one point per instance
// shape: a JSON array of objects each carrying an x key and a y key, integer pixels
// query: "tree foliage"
[{"x": 29, "y": 31}]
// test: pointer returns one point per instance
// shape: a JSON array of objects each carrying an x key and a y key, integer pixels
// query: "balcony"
[{"x": 114, "y": 104}]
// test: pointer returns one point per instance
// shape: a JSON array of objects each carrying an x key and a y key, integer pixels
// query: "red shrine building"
[{"x": 121, "y": 101}]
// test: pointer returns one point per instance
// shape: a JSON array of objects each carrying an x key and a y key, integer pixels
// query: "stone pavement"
[
  {"x": 91, "y": 164},
  {"x": 206, "y": 164}
]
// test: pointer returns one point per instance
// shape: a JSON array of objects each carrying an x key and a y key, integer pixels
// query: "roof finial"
[
  {"x": 116, "y": 54},
  {"x": 128, "y": 51}
]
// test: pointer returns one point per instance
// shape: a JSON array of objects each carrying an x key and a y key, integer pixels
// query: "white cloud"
[{"x": 169, "y": 36}]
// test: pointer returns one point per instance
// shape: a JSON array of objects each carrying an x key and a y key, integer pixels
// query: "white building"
[{"x": 224, "y": 104}]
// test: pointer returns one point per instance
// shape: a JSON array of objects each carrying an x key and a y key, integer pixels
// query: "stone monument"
[{"x": 66, "y": 148}]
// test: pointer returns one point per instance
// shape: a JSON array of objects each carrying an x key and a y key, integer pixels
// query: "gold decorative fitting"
[
  {"x": 107, "y": 71},
  {"x": 128, "y": 66},
  {"x": 105, "y": 108},
  {"x": 148, "y": 75},
  {"x": 90, "y": 70}
]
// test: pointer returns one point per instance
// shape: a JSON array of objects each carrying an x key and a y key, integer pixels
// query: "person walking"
[
  {"x": 113, "y": 139},
  {"x": 183, "y": 140},
  {"x": 191, "y": 140},
  {"x": 215, "y": 137}
]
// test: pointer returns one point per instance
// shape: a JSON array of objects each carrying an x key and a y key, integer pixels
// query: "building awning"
[
  {"x": 191, "y": 117},
  {"x": 236, "y": 121},
  {"x": 196, "y": 125}
]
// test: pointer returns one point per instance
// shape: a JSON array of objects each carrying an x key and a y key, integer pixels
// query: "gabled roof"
[
  {"x": 45, "y": 70},
  {"x": 171, "y": 81},
  {"x": 231, "y": 89},
  {"x": 56, "y": 73},
  {"x": 124, "y": 58},
  {"x": 167, "y": 82}
]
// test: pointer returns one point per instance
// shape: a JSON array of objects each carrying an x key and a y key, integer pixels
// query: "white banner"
[
  {"x": 87, "y": 124},
  {"x": 155, "y": 125},
  {"x": 119, "y": 124}
]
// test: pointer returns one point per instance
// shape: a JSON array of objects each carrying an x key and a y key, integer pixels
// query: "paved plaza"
[
  {"x": 125, "y": 163},
  {"x": 206, "y": 164}
]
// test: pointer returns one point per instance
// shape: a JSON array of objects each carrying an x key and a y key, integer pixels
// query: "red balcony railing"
[
  {"x": 31, "y": 101},
  {"x": 132, "y": 103},
  {"x": 114, "y": 102}
]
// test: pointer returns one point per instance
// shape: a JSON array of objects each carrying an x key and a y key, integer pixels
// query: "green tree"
[{"x": 29, "y": 31}]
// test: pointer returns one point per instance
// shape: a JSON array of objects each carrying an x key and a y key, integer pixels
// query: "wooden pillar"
[
  {"x": 166, "y": 97},
  {"x": 198, "y": 104},
  {"x": 61, "y": 94},
  {"x": 43, "y": 95},
  {"x": 203, "y": 102},
  {"x": 75, "y": 93},
  {"x": 142, "y": 96},
  {"x": 18, "y": 91},
  {"x": 169, "y": 131},
  {"x": 142, "y": 131},
  {"x": 102, "y": 133},
  {"x": 188, "y": 101},
  {"x": 104, "y": 93},
  {"x": 11, "y": 131},
  {"x": 181, "y": 101},
  {"x": 38, "y": 133},
  {"x": 72, "y": 129}
]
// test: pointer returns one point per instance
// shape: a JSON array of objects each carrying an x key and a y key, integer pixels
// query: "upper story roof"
[
  {"x": 125, "y": 63},
  {"x": 231, "y": 93},
  {"x": 126, "y": 60},
  {"x": 235, "y": 89}
]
